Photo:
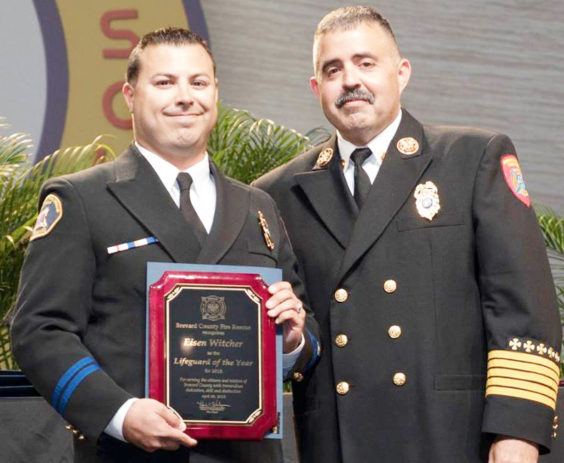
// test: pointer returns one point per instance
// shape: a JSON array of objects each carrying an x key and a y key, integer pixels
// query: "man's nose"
[
  {"x": 350, "y": 78},
  {"x": 184, "y": 94}
]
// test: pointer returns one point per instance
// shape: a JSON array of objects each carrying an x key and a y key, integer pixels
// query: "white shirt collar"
[
  {"x": 378, "y": 145},
  {"x": 167, "y": 172}
]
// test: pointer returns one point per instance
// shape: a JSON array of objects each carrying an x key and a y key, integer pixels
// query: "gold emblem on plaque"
[
  {"x": 213, "y": 308},
  {"x": 408, "y": 146},
  {"x": 323, "y": 158},
  {"x": 427, "y": 200},
  {"x": 265, "y": 231}
]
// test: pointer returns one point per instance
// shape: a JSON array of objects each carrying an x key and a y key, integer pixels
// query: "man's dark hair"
[{"x": 165, "y": 36}]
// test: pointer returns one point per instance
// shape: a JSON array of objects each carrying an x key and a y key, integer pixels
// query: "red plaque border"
[{"x": 267, "y": 413}]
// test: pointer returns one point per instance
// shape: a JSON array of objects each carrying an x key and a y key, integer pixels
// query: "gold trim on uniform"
[
  {"x": 265, "y": 231},
  {"x": 323, "y": 158},
  {"x": 532, "y": 347},
  {"x": 427, "y": 200},
  {"x": 523, "y": 375},
  {"x": 49, "y": 215},
  {"x": 407, "y": 146}
]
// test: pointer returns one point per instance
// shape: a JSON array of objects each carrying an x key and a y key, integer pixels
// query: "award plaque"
[{"x": 212, "y": 353}]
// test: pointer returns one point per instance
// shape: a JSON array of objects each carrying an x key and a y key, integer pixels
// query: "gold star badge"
[
  {"x": 408, "y": 146},
  {"x": 323, "y": 159}
]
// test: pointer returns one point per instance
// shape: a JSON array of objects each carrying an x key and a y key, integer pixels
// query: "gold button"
[
  {"x": 390, "y": 286},
  {"x": 554, "y": 435},
  {"x": 341, "y": 295},
  {"x": 343, "y": 388},
  {"x": 400, "y": 378},
  {"x": 394, "y": 331},
  {"x": 298, "y": 377},
  {"x": 341, "y": 340}
]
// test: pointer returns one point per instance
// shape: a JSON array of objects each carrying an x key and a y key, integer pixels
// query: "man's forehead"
[
  {"x": 332, "y": 45},
  {"x": 166, "y": 57}
]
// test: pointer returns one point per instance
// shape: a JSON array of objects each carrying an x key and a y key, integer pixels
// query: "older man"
[
  {"x": 79, "y": 330},
  {"x": 425, "y": 268}
]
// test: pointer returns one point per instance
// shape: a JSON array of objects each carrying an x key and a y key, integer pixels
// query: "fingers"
[
  {"x": 152, "y": 426},
  {"x": 283, "y": 305},
  {"x": 172, "y": 417}
]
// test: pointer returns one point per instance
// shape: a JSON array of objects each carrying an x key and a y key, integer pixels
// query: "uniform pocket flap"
[
  {"x": 441, "y": 220},
  {"x": 459, "y": 382}
]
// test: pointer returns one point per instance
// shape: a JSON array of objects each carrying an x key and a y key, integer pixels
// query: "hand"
[
  {"x": 287, "y": 309},
  {"x": 152, "y": 426},
  {"x": 509, "y": 450}
]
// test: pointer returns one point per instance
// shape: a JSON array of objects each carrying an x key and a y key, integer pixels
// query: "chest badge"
[
  {"x": 323, "y": 158},
  {"x": 408, "y": 146},
  {"x": 265, "y": 231},
  {"x": 427, "y": 200}
]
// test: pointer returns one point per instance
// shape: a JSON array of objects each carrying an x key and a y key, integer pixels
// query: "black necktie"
[
  {"x": 184, "y": 182},
  {"x": 361, "y": 181}
]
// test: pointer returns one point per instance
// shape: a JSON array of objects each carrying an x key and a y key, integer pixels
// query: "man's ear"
[
  {"x": 314, "y": 85},
  {"x": 404, "y": 74},
  {"x": 128, "y": 95}
]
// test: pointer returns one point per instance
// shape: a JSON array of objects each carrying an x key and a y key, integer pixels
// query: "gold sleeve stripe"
[
  {"x": 524, "y": 368},
  {"x": 520, "y": 394},
  {"x": 524, "y": 385},
  {"x": 523, "y": 375},
  {"x": 524, "y": 357}
]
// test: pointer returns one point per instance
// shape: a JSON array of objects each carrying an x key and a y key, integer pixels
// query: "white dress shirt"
[
  {"x": 378, "y": 146},
  {"x": 203, "y": 196}
]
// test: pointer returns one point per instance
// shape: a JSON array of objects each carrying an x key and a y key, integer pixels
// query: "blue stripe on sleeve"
[
  {"x": 74, "y": 384},
  {"x": 314, "y": 357},
  {"x": 66, "y": 377}
]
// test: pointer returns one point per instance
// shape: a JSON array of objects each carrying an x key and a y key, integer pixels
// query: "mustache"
[{"x": 354, "y": 94}]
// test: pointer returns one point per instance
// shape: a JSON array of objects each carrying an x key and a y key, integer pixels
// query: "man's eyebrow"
[
  {"x": 163, "y": 74},
  {"x": 327, "y": 64}
]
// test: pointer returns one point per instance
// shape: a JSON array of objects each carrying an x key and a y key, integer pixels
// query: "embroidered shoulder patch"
[
  {"x": 514, "y": 178},
  {"x": 50, "y": 214}
]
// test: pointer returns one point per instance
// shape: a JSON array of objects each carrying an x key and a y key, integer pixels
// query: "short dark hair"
[
  {"x": 349, "y": 17},
  {"x": 166, "y": 36}
]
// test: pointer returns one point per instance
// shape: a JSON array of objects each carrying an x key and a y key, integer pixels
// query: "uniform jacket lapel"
[
  {"x": 231, "y": 211},
  {"x": 393, "y": 185},
  {"x": 327, "y": 192},
  {"x": 138, "y": 188}
]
